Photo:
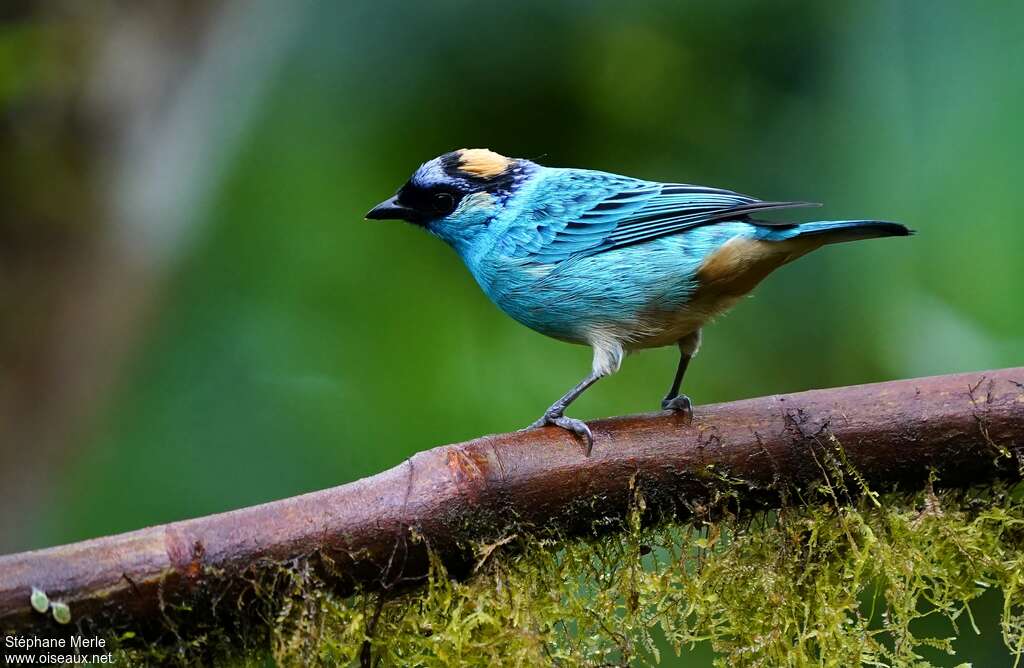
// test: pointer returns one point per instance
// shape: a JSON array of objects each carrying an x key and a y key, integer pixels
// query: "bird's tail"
[{"x": 838, "y": 231}]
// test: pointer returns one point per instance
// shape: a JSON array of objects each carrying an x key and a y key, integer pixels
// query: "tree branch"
[{"x": 374, "y": 533}]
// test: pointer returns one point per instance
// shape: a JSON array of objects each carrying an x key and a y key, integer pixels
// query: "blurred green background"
[{"x": 277, "y": 343}]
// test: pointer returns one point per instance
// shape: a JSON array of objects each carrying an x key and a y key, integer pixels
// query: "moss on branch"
[{"x": 821, "y": 582}]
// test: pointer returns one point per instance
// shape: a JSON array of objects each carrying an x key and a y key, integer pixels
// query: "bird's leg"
[
  {"x": 555, "y": 414},
  {"x": 674, "y": 401},
  {"x": 608, "y": 354}
]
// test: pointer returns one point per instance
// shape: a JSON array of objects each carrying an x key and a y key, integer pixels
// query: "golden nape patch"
[{"x": 482, "y": 162}]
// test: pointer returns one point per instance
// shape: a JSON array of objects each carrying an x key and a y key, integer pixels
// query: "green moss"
[
  {"x": 830, "y": 580},
  {"x": 818, "y": 584}
]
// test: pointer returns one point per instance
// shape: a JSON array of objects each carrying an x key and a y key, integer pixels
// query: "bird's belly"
[
  {"x": 656, "y": 321},
  {"x": 666, "y": 327}
]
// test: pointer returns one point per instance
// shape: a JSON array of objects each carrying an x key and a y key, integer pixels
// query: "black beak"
[{"x": 390, "y": 209}]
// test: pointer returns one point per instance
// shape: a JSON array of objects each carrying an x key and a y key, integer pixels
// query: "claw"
[
  {"x": 679, "y": 404},
  {"x": 578, "y": 427}
]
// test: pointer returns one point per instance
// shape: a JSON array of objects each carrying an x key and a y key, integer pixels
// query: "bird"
[{"x": 613, "y": 262}]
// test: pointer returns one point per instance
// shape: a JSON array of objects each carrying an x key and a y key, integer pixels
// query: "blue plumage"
[{"x": 605, "y": 260}]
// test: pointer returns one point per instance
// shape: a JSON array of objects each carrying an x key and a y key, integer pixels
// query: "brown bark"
[{"x": 374, "y": 532}]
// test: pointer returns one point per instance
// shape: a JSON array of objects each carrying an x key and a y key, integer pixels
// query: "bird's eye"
[{"x": 443, "y": 203}]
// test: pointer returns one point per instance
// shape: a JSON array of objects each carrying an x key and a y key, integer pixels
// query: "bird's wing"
[{"x": 585, "y": 215}]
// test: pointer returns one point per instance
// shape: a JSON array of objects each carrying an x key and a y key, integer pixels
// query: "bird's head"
[{"x": 456, "y": 195}]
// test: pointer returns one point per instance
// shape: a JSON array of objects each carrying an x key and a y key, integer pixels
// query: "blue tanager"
[{"x": 609, "y": 261}]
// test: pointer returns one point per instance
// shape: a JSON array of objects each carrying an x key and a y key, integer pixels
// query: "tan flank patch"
[
  {"x": 741, "y": 263},
  {"x": 482, "y": 162}
]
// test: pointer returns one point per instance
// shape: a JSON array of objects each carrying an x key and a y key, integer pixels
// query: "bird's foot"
[
  {"x": 679, "y": 404},
  {"x": 578, "y": 427}
]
